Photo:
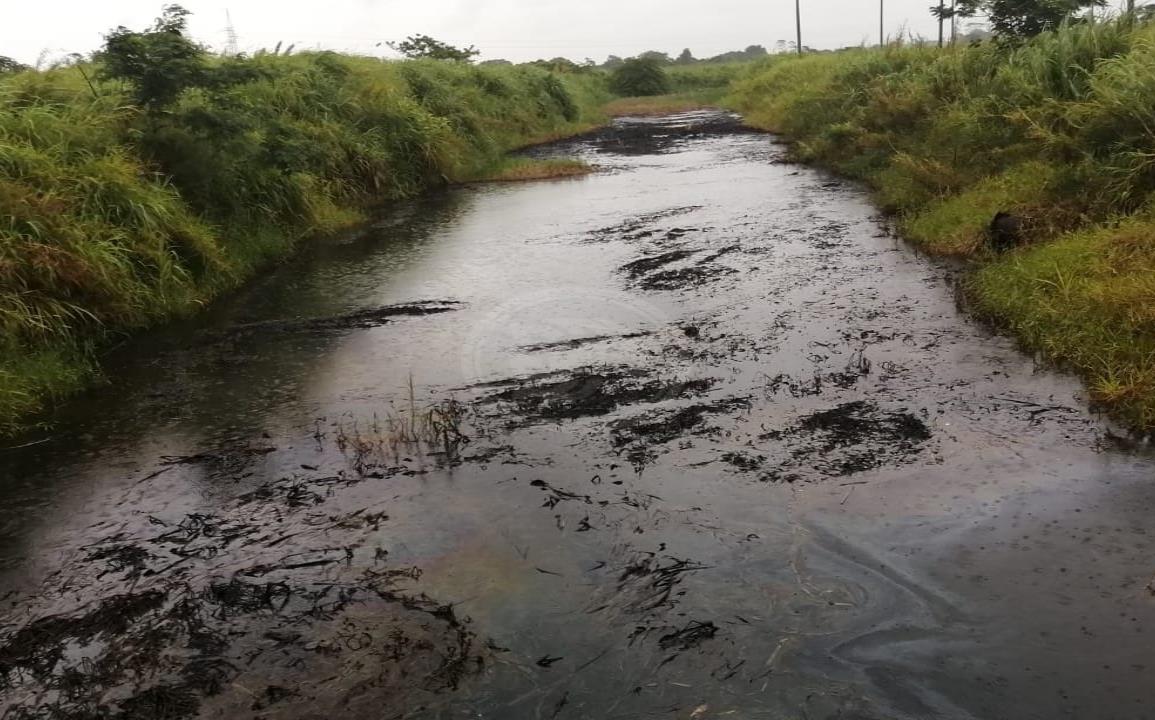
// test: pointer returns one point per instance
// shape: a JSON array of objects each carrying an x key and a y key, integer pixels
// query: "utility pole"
[
  {"x": 798, "y": 22},
  {"x": 953, "y": 22},
  {"x": 941, "y": 12},
  {"x": 881, "y": 18}
]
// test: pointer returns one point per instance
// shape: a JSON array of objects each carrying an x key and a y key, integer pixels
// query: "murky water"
[{"x": 693, "y": 437}]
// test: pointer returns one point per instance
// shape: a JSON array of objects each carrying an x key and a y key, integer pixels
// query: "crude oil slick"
[{"x": 690, "y": 437}]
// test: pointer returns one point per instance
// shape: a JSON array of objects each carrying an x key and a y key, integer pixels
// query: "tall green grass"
[
  {"x": 704, "y": 77},
  {"x": 1060, "y": 130},
  {"x": 113, "y": 219}
]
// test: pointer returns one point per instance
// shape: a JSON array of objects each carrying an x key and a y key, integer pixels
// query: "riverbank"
[
  {"x": 1054, "y": 131},
  {"x": 118, "y": 218}
]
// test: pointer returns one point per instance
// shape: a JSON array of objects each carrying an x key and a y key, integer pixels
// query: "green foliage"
[
  {"x": 656, "y": 56},
  {"x": 8, "y": 65},
  {"x": 1055, "y": 129},
  {"x": 1017, "y": 19},
  {"x": 160, "y": 63},
  {"x": 520, "y": 169},
  {"x": 640, "y": 77},
  {"x": 751, "y": 53},
  {"x": 686, "y": 58},
  {"x": 564, "y": 65},
  {"x": 423, "y": 47},
  {"x": 26, "y": 379},
  {"x": 690, "y": 87},
  {"x": 1086, "y": 301},
  {"x": 702, "y": 76},
  {"x": 113, "y": 219},
  {"x": 957, "y": 224}
]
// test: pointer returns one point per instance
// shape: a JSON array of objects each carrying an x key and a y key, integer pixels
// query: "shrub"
[
  {"x": 640, "y": 77},
  {"x": 159, "y": 63},
  {"x": 423, "y": 47}
]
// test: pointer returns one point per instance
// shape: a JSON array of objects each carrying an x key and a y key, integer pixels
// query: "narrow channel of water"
[{"x": 692, "y": 437}]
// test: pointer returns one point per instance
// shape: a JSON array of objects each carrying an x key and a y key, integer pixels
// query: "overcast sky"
[{"x": 514, "y": 29}]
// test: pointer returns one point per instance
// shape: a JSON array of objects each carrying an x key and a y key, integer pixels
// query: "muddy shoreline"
[{"x": 692, "y": 437}]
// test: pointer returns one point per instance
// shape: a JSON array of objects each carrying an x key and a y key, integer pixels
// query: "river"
[{"x": 692, "y": 437}]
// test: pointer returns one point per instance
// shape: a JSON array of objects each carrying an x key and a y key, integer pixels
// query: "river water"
[{"x": 692, "y": 437}]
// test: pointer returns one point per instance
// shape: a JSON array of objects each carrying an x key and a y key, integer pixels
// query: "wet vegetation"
[
  {"x": 139, "y": 185},
  {"x": 520, "y": 169},
  {"x": 1053, "y": 131}
]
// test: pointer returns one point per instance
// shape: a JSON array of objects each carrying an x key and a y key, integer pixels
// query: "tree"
[
  {"x": 159, "y": 63},
  {"x": 686, "y": 58},
  {"x": 564, "y": 65},
  {"x": 753, "y": 52},
  {"x": 613, "y": 62},
  {"x": 1016, "y": 19},
  {"x": 656, "y": 56},
  {"x": 423, "y": 46},
  {"x": 638, "y": 77},
  {"x": 8, "y": 65}
]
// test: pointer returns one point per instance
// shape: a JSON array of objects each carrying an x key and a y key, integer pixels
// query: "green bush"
[
  {"x": 159, "y": 63},
  {"x": 640, "y": 77}
]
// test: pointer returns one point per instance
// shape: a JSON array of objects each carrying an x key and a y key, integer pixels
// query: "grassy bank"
[
  {"x": 522, "y": 169},
  {"x": 655, "y": 105},
  {"x": 1058, "y": 131},
  {"x": 115, "y": 216}
]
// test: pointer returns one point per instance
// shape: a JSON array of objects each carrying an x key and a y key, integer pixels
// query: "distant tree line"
[
  {"x": 753, "y": 52},
  {"x": 613, "y": 62}
]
